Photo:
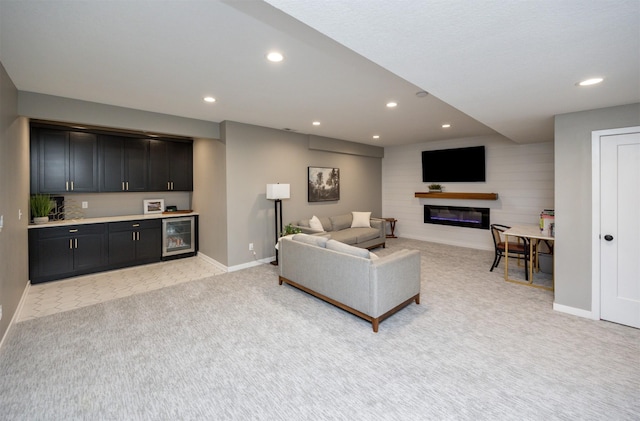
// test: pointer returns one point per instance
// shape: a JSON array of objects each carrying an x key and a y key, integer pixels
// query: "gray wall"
[
  {"x": 257, "y": 156},
  {"x": 573, "y": 199},
  {"x": 14, "y": 198},
  {"x": 210, "y": 197}
]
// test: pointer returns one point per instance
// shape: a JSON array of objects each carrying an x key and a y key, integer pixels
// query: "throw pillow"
[
  {"x": 347, "y": 249},
  {"x": 315, "y": 224},
  {"x": 361, "y": 220},
  {"x": 314, "y": 240}
]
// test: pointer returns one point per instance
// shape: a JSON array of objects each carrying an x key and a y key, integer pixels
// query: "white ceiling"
[{"x": 490, "y": 66}]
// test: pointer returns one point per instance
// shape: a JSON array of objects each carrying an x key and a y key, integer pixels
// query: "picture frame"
[
  {"x": 153, "y": 206},
  {"x": 323, "y": 184}
]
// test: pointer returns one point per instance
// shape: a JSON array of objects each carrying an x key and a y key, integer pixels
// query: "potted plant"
[
  {"x": 41, "y": 206},
  {"x": 435, "y": 187},
  {"x": 289, "y": 230}
]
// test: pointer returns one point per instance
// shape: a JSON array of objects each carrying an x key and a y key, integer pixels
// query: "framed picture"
[
  {"x": 324, "y": 184},
  {"x": 153, "y": 206}
]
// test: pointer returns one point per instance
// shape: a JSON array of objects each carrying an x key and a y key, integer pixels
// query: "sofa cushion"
[
  {"x": 365, "y": 234},
  {"x": 314, "y": 240},
  {"x": 348, "y": 236},
  {"x": 361, "y": 220},
  {"x": 340, "y": 222},
  {"x": 303, "y": 223},
  {"x": 315, "y": 224},
  {"x": 326, "y": 223},
  {"x": 347, "y": 249}
]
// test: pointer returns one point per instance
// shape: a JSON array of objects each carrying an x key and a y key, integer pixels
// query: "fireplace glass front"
[{"x": 457, "y": 216}]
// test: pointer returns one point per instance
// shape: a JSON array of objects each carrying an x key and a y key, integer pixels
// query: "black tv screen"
[{"x": 454, "y": 165}]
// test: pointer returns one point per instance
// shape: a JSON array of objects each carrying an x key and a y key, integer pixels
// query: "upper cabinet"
[
  {"x": 124, "y": 164},
  {"x": 170, "y": 166},
  {"x": 65, "y": 160}
]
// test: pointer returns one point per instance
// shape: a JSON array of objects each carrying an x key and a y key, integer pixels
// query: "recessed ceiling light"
[
  {"x": 375, "y": 136},
  {"x": 392, "y": 104},
  {"x": 316, "y": 123},
  {"x": 592, "y": 81},
  {"x": 209, "y": 99},
  {"x": 275, "y": 56},
  {"x": 446, "y": 126},
  {"x": 422, "y": 94}
]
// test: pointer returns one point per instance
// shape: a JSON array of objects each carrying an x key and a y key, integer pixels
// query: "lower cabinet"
[
  {"x": 135, "y": 242},
  {"x": 60, "y": 252}
]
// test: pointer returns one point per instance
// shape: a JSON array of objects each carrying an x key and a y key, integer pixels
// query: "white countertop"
[{"x": 120, "y": 218}]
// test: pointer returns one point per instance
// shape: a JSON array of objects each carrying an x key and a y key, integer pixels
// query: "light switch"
[
  {"x": 1, "y": 222},
  {"x": 85, "y": 205}
]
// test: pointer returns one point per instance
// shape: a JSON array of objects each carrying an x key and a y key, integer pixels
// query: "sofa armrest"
[
  {"x": 394, "y": 279},
  {"x": 307, "y": 230},
  {"x": 381, "y": 225}
]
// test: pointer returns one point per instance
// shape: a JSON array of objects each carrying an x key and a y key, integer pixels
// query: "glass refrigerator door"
[{"x": 178, "y": 236}]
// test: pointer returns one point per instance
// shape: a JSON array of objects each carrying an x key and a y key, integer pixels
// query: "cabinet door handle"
[
  {"x": 135, "y": 225},
  {"x": 70, "y": 243},
  {"x": 76, "y": 240},
  {"x": 133, "y": 236},
  {"x": 74, "y": 230},
  {"x": 127, "y": 186},
  {"x": 123, "y": 186},
  {"x": 66, "y": 186},
  {"x": 172, "y": 185},
  {"x": 138, "y": 236},
  {"x": 72, "y": 186}
]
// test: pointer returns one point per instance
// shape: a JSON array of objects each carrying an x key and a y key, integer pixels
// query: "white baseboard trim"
[
  {"x": 251, "y": 264},
  {"x": 15, "y": 316},
  {"x": 214, "y": 262},
  {"x": 236, "y": 267},
  {"x": 587, "y": 314}
]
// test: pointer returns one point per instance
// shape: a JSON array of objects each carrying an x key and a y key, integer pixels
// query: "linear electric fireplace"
[{"x": 457, "y": 216}]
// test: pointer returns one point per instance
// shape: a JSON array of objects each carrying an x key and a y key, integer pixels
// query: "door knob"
[{"x": 608, "y": 237}]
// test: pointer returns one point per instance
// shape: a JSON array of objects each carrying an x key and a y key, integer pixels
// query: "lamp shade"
[{"x": 277, "y": 191}]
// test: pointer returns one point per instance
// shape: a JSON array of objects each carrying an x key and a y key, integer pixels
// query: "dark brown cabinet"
[
  {"x": 123, "y": 164},
  {"x": 135, "y": 242},
  {"x": 61, "y": 252},
  {"x": 64, "y": 161},
  {"x": 170, "y": 166}
]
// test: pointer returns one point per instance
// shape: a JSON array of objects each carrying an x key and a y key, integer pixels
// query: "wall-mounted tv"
[{"x": 454, "y": 165}]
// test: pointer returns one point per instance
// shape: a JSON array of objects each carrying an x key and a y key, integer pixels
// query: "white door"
[{"x": 620, "y": 229}]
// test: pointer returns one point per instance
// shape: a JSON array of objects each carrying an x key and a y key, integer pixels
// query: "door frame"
[{"x": 595, "y": 212}]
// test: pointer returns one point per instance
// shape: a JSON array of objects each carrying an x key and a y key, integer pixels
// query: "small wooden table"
[
  {"x": 531, "y": 233},
  {"x": 392, "y": 224}
]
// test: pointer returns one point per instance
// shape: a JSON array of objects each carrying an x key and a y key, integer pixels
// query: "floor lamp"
[{"x": 277, "y": 192}]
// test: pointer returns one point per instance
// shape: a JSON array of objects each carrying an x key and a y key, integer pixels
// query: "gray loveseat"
[
  {"x": 339, "y": 228},
  {"x": 347, "y": 277}
]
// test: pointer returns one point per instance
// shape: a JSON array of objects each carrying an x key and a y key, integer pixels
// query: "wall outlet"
[
  {"x": 85, "y": 205},
  {"x": 250, "y": 246}
]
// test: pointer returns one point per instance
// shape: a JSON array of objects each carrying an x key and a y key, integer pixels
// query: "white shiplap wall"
[{"x": 522, "y": 175}]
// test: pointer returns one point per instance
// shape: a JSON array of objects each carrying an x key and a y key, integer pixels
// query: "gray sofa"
[
  {"x": 348, "y": 277},
  {"x": 339, "y": 228}
]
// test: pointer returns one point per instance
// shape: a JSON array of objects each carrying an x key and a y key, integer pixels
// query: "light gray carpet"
[{"x": 239, "y": 346}]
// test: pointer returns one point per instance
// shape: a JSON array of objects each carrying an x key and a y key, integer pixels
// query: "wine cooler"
[{"x": 178, "y": 236}]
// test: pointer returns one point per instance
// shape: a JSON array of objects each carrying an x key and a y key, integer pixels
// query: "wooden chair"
[{"x": 519, "y": 250}]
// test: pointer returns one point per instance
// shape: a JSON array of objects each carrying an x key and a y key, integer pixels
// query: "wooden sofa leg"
[
  {"x": 375, "y": 323},
  {"x": 418, "y": 299}
]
